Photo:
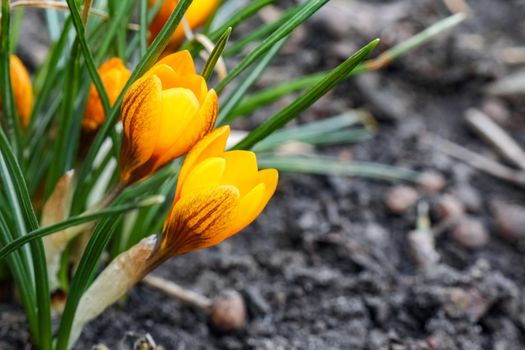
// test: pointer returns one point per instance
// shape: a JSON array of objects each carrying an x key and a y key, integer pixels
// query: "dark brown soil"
[{"x": 328, "y": 266}]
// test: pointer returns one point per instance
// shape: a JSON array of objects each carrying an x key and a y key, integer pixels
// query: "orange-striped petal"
[
  {"x": 141, "y": 119},
  {"x": 199, "y": 220}
]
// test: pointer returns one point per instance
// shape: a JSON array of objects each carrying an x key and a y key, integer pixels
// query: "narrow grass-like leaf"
[
  {"x": 251, "y": 9},
  {"x": 143, "y": 32},
  {"x": 88, "y": 56},
  {"x": 240, "y": 91},
  {"x": 311, "y": 131},
  {"x": 10, "y": 114},
  {"x": 307, "y": 99},
  {"x": 216, "y": 53},
  {"x": 51, "y": 72},
  {"x": 261, "y": 32},
  {"x": 324, "y": 165},
  {"x": 280, "y": 33},
  {"x": 20, "y": 202},
  {"x": 265, "y": 97},
  {"x": 86, "y": 268},
  {"x": 273, "y": 93},
  {"x": 73, "y": 221},
  {"x": 20, "y": 272}
]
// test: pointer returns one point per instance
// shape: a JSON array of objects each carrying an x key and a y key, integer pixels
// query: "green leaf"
[
  {"x": 216, "y": 53},
  {"x": 88, "y": 56},
  {"x": 326, "y": 131},
  {"x": 10, "y": 113},
  {"x": 261, "y": 32},
  {"x": 307, "y": 99},
  {"x": 273, "y": 93},
  {"x": 73, "y": 221},
  {"x": 323, "y": 165},
  {"x": 279, "y": 34},
  {"x": 251, "y": 9},
  {"x": 24, "y": 215},
  {"x": 240, "y": 91},
  {"x": 143, "y": 32}
]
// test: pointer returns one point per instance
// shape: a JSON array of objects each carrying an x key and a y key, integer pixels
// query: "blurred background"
[{"x": 339, "y": 262}]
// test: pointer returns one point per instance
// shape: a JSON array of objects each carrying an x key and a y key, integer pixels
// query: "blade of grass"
[
  {"x": 20, "y": 202},
  {"x": 20, "y": 272},
  {"x": 279, "y": 34},
  {"x": 216, "y": 53},
  {"x": 323, "y": 165},
  {"x": 88, "y": 56},
  {"x": 12, "y": 122},
  {"x": 143, "y": 33},
  {"x": 240, "y": 91},
  {"x": 307, "y": 99},
  {"x": 251, "y": 9},
  {"x": 51, "y": 72},
  {"x": 261, "y": 32},
  {"x": 73, "y": 221},
  {"x": 274, "y": 93},
  {"x": 310, "y": 131}
]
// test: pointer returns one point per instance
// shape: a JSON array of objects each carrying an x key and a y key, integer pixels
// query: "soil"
[{"x": 328, "y": 265}]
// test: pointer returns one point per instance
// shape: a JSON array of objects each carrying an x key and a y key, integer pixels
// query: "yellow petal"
[
  {"x": 199, "y": 220},
  {"x": 195, "y": 83},
  {"x": 178, "y": 109},
  {"x": 241, "y": 170},
  {"x": 201, "y": 124},
  {"x": 141, "y": 120},
  {"x": 22, "y": 89},
  {"x": 211, "y": 145},
  {"x": 250, "y": 207},
  {"x": 181, "y": 62},
  {"x": 207, "y": 174},
  {"x": 270, "y": 177}
]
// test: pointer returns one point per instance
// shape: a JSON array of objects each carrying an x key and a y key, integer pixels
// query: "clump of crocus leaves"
[{"x": 123, "y": 114}]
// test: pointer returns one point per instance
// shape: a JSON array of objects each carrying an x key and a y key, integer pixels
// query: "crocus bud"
[
  {"x": 196, "y": 15},
  {"x": 164, "y": 114},
  {"x": 22, "y": 90},
  {"x": 218, "y": 194},
  {"x": 114, "y": 75}
]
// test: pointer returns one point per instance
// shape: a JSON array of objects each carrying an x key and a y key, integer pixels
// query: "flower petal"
[
  {"x": 178, "y": 109},
  {"x": 211, "y": 145},
  {"x": 142, "y": 121},
  {"x": 250, "y": 207},
  {"x": 199, "y": 220},
  {"x": 208, "y": 173},
  {"x": 181, "y": 62},
  {"x": 241, "y": 170}
]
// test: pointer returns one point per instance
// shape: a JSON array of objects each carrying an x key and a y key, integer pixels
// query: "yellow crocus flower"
[
  {"x": 164, "y": 114},
  {"x": 218, "y": 194},
  {"x": 196, "y": 15},
  {"x": 114, "y": 75}
]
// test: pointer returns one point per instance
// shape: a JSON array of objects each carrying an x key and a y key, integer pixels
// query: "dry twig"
[{"x": 497, "y": 137}]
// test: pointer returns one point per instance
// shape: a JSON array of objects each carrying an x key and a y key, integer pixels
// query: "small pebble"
[
  {"x": 448, "y": 206},
  {"x": 470, "y": 233},
  {"x": 400, "y": 197},
  {"x": 228, "y": 312},
  {"x": 432, "y": 181},
  {"x": 510, "y": 219}
]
